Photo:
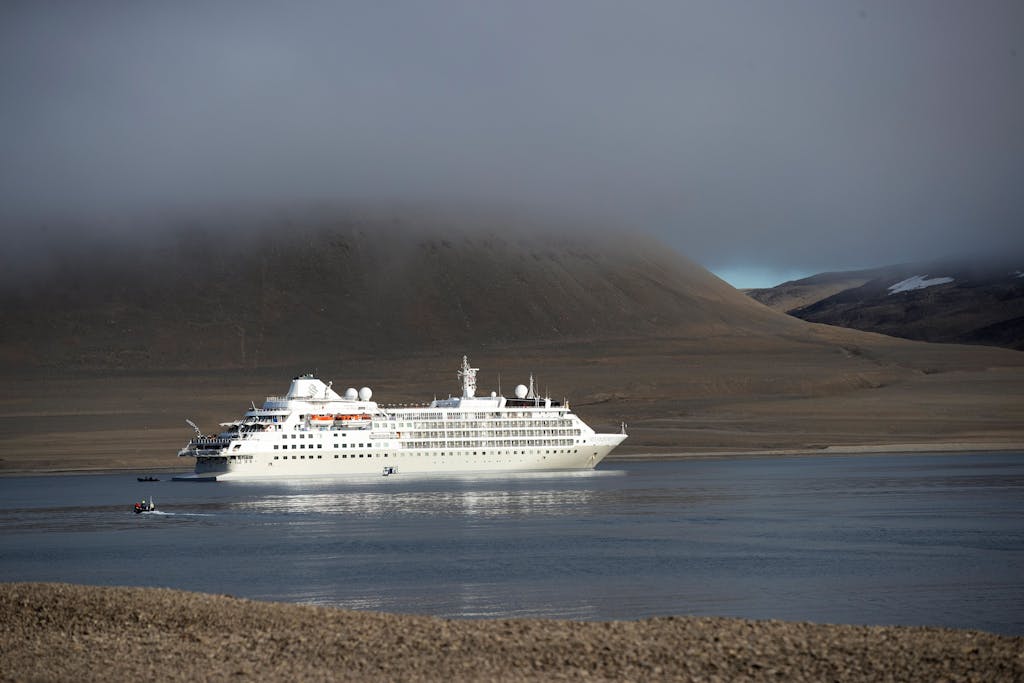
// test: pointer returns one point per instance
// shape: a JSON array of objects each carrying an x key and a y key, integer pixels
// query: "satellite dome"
[
  {"x": 521, "y": 391},
  {"x": 365, "y": 394},
  {"x": 351, "y": 394}
]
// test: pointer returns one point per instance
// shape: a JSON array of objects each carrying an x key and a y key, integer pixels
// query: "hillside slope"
[
  {"x": 360, "y": 288},
  {"x": 795, "y": 294}
]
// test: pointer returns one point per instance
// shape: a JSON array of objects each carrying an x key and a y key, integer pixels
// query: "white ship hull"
[
  {"x": 425, "y": 463},
  {"x": 314, "y": 432}
]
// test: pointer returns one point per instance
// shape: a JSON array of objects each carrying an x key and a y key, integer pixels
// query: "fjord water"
[{"x": 889, "y": 539}]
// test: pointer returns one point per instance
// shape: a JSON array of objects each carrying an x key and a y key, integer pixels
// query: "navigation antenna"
[
  {"x": 198, "y": 432},
  {"x": 468, "y": 377}
]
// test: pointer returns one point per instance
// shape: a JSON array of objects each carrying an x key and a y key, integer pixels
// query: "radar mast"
[{"x": 468, "y": 377}]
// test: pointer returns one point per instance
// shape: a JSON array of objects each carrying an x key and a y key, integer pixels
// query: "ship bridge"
[{"x": 306, "y": 387}]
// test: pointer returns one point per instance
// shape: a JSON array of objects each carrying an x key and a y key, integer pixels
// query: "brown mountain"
[
  {"x": 105, "y": 356},
  {"x": 355, "y": 288}
]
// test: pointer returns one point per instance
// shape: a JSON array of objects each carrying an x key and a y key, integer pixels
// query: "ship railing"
[{"x": 208, "y": 441}]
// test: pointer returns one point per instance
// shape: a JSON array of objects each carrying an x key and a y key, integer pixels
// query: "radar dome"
[
  {"x": 365, "y": 394},
  {"x": 521, "y": 391},
  {"x": 351, "y": 394}
]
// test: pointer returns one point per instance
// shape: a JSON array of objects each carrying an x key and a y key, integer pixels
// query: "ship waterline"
[{"x": 312, "y": 431}]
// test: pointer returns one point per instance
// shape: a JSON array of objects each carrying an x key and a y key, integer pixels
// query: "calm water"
[{"x": 930, "y": 540}]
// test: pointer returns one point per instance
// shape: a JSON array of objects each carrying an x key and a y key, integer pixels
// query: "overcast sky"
[{"x": 754, "y": 137}]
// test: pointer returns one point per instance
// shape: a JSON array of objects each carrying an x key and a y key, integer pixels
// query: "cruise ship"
[{"x": 312, "y": 431}]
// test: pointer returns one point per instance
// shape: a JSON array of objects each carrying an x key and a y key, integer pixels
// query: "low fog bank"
[
  {"x": 40, "y": 248},
  {"x": 301, "y": 284},
  {"x": 44, "y": 248}
]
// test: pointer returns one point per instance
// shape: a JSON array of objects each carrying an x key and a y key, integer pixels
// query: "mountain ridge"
[{"x": 950, "y": 301}]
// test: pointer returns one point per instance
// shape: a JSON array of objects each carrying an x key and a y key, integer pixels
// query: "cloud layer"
[{"x": 783, "y": 135}]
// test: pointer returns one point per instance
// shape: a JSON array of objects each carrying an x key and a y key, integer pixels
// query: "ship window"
[
  {"x": 335, "y": 445},
  {"x": 319, "y": 457},
  {"x": 275, "y": 447},
  {"x": 335, "y": 456},
  {"x": 319, "y": 445},
  {"x": 276, "y": 457},
  {"x": 294, "y": 457}
]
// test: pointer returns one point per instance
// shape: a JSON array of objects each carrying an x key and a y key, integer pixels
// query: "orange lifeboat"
[{"x": 321, "y": 420}]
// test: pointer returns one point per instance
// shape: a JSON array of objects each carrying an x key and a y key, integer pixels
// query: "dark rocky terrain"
[{"x": 970, "y": 303}]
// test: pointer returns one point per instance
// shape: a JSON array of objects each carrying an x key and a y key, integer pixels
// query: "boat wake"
[{"x": 163, "y": 513}]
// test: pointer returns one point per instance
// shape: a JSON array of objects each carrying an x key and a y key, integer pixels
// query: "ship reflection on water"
[
  {"x": 480, "y": 503},
  {"x": 383, "y": 502}
]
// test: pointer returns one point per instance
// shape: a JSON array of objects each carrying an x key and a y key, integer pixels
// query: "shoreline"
[
  {"x": 864, "y": 449},
  {"x": 57, "y": 632}
]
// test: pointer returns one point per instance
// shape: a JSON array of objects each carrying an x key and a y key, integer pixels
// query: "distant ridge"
[
  {"x": 949, "y": 301},
  {"x": 281, "y": 294}
]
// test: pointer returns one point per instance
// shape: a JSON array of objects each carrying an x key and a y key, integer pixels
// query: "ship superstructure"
[{"x": 314, "y": 431}]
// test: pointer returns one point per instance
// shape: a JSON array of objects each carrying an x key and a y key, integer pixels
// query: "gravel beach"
[{"x": 61, "y": 632}]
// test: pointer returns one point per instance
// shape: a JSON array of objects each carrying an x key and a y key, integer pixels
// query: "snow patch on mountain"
[{"x": 917, "y": 282}]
